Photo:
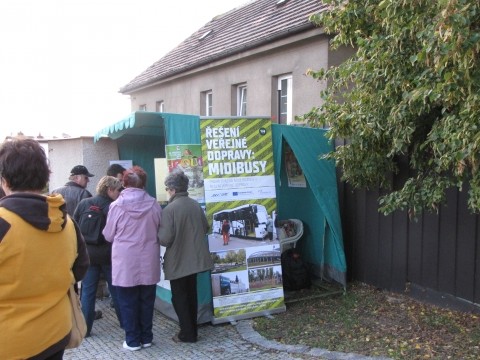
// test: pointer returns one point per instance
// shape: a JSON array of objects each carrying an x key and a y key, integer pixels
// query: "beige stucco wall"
[
  {"x": 258, "y": 68},
  {"x": 64, "y": 154}
]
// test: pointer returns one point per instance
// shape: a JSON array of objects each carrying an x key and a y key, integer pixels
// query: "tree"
[{"x": 410, "y": 91}]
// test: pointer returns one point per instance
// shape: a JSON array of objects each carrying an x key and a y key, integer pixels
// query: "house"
[{"x": 249, "y": 61}]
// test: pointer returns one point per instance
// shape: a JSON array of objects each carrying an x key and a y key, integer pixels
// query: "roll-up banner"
[{"x": 240, "y": 200}]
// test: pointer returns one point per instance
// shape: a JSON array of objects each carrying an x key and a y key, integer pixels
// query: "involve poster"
[{"x": 239, "y": 183}]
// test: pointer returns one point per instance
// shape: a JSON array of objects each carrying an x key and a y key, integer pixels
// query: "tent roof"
[
  {"x": 141, "y": 123},
  {"x": 137, "y": 123}
]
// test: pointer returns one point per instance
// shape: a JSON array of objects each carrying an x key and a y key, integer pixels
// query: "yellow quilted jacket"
[{"x": 38, "y": 246}]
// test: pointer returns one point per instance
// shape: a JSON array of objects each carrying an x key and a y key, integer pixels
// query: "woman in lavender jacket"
[{"x": 132, "y": 227}]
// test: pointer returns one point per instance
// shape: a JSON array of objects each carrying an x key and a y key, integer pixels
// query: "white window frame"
[
  {"x": 285, "y": 117},
  {"x": 242, "y": 100},
  {"x": 160, "y": 106},
  {"x": 208, "y": 103}
]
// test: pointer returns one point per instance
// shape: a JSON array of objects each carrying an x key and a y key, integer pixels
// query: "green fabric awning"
[
  {"x": 142, "y": 135},
  {"x": 143, "y": 123}
]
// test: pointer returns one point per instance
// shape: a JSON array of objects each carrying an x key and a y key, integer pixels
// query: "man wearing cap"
[{"x": 75, "y": 189}]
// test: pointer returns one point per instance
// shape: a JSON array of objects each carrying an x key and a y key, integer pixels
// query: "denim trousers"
[
  {"x": 88, "y": 293},
  {"x": 136, "y": 306}
]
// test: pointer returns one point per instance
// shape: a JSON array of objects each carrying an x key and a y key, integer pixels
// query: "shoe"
[
  {"x": 98, "y": 315},
  {"x": 131, "y": 348},
  {"x": 176, "y": 339},
  {"x": 147, "y": 345}
]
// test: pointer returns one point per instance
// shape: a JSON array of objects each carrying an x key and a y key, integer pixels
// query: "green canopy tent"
[
  {"x": 142, "y": 136},
  {"x": 317, "y": 204}
]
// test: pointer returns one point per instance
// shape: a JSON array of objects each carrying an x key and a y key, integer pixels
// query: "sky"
[{"x": 62, "y": 62}]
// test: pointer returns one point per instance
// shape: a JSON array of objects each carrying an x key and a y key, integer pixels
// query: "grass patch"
[{"x": 371, "y": 322}]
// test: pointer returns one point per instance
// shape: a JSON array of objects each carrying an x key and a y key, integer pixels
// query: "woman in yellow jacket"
[{"x": 41, "y": 254}]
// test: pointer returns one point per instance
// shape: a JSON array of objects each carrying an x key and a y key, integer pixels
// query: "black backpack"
[
  {"x": 91, "y": 223},
  {"x": 295, "y": 273}
]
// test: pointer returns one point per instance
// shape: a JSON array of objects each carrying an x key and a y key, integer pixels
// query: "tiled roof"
[{"x": 249, "y": 26}]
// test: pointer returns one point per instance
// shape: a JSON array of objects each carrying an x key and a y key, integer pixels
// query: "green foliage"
[{"x": 410, "y": 91}]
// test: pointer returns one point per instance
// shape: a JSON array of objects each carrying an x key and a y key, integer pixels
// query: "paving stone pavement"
[{"x": 223, "y": 341}]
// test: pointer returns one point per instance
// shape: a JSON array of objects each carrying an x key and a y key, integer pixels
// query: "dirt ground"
[{"x": 372, "y": 322}]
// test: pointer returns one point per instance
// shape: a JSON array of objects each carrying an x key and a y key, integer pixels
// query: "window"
[
  {"x": 142, "y": 107},
  {"x": 206, "y": 103},
  {"x": 285, "y": 114},
  {"x": 209, "y": 103},
  {"x": 160, "y": 106},
  {"x": 242, "y": 100}
]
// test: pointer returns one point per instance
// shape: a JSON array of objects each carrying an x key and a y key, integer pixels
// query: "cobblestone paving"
[{"x": 224, "y": 341}]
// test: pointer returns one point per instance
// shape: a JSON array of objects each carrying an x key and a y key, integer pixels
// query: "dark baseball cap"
[{"x": 80, "y": 170}]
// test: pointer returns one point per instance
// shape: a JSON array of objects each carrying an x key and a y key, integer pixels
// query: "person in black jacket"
[
  {"x": 75, "y": 189},
  {"x": 100, "y": 251},
  {"x": 116, "y": 170}
]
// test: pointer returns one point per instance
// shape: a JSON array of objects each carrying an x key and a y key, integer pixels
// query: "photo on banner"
[
  {"x": 188, "y": 158},
  {"x": 240, "y": 200}
]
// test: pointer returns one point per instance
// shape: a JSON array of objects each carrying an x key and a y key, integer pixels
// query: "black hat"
[{"x": 80, "y": 170}]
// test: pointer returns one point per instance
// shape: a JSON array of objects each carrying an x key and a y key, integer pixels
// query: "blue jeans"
[
  {"x": 89, "y": 292},
  {"x": 136, "y": 305}
]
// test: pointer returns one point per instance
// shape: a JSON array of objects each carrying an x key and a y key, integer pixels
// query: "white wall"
[{"x": 64, "y": 154}]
